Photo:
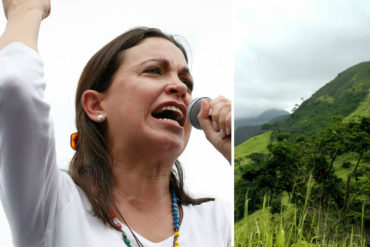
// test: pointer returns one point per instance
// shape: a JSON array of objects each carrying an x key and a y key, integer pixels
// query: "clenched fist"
[{"x": 26, "y": 5}]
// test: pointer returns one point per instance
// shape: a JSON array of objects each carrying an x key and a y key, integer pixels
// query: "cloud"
[{"x": 284, "y": 54}]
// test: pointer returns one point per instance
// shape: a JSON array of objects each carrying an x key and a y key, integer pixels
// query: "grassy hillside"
[
  {"x": 328, "y": 202},
  {"x": 363, "y": 109},
  {"x": 295, "y": 192},
  {"x": 257, "y": 144},
  {"x": 245, "y": 132},
  {"x": 347, "y": 95},
  {"x": 250, "y": 127}
]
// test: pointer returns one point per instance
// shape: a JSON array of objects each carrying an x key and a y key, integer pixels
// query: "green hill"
[
  {"x": 257, "y": 144},
  {"x": 324, "y": 174},
  {"x": 363, "y": 110},
  {"x": 348, "y": 95},
  {"x": 245, "y": 132},
  {"x": 249, "y": 127}
]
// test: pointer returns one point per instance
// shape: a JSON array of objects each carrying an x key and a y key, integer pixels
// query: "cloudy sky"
[
  {"x": 77, "y": 29},
  {"x": 286, "y": 50}
]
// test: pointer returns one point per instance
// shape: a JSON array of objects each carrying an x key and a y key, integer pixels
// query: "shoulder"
[
  {"x": 211, "y": 210},
  {"x": 209, "y": 223}
]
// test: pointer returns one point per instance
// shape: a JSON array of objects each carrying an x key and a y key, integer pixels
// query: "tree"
[
  {"x": 357, "y": 141},
  {"x": 266, "y": 127}
]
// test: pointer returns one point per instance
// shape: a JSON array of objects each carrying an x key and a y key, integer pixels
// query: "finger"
[
  {"x": 226, "y": 118},
  {"x": 219, "y": 99},
  {"x": 220, "y": 109},
  {"x": 47, "y": 13},
  {"x": 228, "y": 124},
  {"x": 206, "y": 124},
  {"x": 222, "y": 121},
  {"x": 203, "y": 116},
  {"x": 216, "y": 107}
]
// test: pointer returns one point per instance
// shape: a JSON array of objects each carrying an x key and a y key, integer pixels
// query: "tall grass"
[{"x": 293, "y": 227}]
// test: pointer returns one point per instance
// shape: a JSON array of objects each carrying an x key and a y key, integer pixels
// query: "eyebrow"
[
  {"x": 161, "y": 60},
  {"x": 165, "y": 62}
]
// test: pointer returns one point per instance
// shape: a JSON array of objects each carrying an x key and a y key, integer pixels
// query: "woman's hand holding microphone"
[{"x": 215, "y": 120}]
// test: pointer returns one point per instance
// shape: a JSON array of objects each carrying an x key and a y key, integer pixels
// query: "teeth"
[
  {"x": 170, "y": 120},
  {"x": 172, "y": 108}
]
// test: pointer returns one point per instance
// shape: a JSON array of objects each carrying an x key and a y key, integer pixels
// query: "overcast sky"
[
  {"x": 77, "y": 29},
  {"x": 288, "y": 49}
]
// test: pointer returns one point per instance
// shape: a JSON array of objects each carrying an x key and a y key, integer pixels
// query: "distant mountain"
[
  {"x": 250, "y": 127},
  {"x": 347, "y": 95},
  {"x": 264, "y": 117}
]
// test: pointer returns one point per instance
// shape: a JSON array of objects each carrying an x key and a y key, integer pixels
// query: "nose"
[{"x": 178, "y": 88}]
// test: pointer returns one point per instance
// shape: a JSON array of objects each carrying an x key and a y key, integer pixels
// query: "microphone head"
[{"x": 193, "y": 111}]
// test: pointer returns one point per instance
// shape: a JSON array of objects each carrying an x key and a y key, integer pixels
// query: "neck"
[
  {"x": 141, "y": 193},
  {"x": 141, "y": 183}
]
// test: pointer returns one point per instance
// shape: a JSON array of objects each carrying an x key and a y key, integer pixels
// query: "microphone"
[{"x": 193, "y": 111}]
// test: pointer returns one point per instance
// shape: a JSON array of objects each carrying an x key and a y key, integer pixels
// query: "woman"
[{"x": 130, "y": 105}]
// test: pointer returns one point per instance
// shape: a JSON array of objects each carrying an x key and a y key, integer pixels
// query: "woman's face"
[{"x": 146, "y": 104}]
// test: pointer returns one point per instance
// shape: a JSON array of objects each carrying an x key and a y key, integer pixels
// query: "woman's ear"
[{"x": 92, "y": 103}]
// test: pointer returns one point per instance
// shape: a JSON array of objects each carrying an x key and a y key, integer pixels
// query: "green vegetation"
[
  {"x": 326, "y": 98},
  {"x": 257, "y": 144},
  {"x": 292, "y": 227},
  {"x": 242, "y": 152},
  {"x": 347, "y": 95},
  {"x": 306, "y": 182},
  {"x": 278, "y": 202},
  {"x": 363, "y": 109}
]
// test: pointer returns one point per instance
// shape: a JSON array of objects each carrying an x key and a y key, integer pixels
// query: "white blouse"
[{"x": 43, "y": 204}]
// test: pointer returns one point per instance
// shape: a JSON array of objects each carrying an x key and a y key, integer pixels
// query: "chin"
[
  {"x": 164, "y": 141},
  {"x": 171, "y": 145}
]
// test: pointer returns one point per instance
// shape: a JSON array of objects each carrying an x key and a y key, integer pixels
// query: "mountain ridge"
[
  {"x": 341, "y": 96},
  {"x": 253, "y": 126},
  {"x": 348, "y": 95},
  {"x": 262, "y": 118}
]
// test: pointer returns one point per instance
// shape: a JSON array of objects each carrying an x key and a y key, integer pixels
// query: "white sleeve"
[{"x": 28, "y": 171}]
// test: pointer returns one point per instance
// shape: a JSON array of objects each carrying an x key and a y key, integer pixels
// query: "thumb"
[{"x": 203, "y": 116}]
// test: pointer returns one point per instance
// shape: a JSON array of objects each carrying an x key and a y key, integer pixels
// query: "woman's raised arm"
[{"x": 24, "y": 18}]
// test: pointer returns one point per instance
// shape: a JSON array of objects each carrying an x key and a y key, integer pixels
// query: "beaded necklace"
[
  {"x": 176, "y": 224},
  {"x": 175, "y": 212}
]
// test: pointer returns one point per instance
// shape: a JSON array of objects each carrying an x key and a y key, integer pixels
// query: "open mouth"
[{"x": 171, "y": 114}]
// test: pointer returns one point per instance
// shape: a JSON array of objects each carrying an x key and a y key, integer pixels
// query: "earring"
[{"x": 100, "y": 118}]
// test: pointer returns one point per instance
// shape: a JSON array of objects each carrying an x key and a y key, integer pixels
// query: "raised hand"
[
  {"x": 27, "y": 5},
  {"x": 24, "y": 18}
]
